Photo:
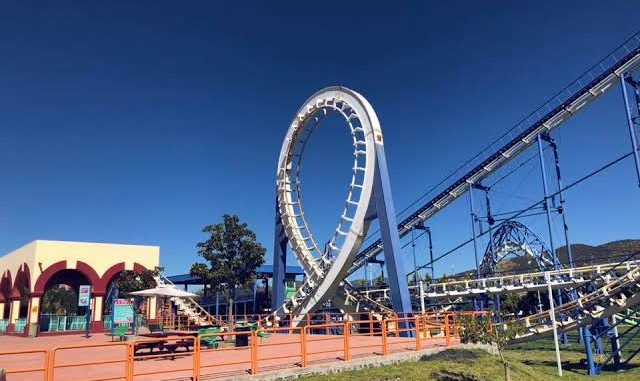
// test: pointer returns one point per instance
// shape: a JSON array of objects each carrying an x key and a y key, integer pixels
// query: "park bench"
[
  {"x": 211, "y": 342},
  {"x": 155, "y": 328},
  {"x": 119, "y": 331}
]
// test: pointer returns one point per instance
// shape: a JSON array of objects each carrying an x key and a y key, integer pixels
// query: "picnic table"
[{"x": 150, "y": 345}]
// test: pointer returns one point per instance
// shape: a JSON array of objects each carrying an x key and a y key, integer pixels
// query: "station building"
[{"x": 27, "y": 273}]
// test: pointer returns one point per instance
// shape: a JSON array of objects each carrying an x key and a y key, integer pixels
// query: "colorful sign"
[
  {"x": 84, "y": 296},
  {"x": 123, "y": 311}
]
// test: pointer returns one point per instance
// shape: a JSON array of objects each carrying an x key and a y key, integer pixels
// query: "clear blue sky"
[{"x": 142, "y": 123}]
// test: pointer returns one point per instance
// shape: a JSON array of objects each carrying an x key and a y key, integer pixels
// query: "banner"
[
  {"x": 84, "y": 296},
  {"x": 123, "y": 311}
]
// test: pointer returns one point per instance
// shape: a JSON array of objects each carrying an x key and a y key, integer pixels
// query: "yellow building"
[{"x": 27, "y": 273}]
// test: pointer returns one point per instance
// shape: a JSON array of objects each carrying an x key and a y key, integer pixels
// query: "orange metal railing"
[
  {"x": 174, "y": 343},
  {"x": 263, "y": 349},
  {"x": 299, "y": 341},
  {"x": 55, "y": 363},
  {"x": 308, "y": 332},
  {"x": 250, "y": 362},
  {"x": 354, "y": 329},
  {"x": 42, "y": 357}
]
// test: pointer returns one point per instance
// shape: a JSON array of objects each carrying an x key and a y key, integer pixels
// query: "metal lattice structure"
[{"x": 514, "y": 240}]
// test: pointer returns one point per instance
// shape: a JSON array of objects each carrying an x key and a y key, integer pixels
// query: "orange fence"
[
  {"x": 292, "y": 349},
  {"x": 237, "y": 353},
  {"x": 163, "y": 348},
  {"x": 335, "y": 332},
  {"x": 36, "y": 368},
  {"x": 224, "y": 356},
  {"x": 67, "y": 359}
]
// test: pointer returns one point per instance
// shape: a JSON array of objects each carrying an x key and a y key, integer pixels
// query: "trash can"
[
  {"x": 242, "y": 340},
  {"x": 33, "y": 329}
]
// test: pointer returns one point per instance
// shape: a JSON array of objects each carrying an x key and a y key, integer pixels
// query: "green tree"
[
  {"x": 61, "y": 300},
  {"x": 379, "y": 281},
  {"x": 130, "y": 281},
  {"x": 232, "y": 255},
  {"x": 481, "y": 330}
]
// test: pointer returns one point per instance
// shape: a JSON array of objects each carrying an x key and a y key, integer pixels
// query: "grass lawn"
[{"x": 534, "y": 361}]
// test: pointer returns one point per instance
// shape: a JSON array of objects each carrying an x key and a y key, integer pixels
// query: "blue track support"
[
  {"x": 547, "y": 208},
  {"x": 278, "y": 288},
  {"x": 591, "y": 365},
  {"x": 114, "y": 297},
  {"x": 399, "y": 288},
  {"x": 476, "y": 305},
  {"x": 632, "y": 133}
]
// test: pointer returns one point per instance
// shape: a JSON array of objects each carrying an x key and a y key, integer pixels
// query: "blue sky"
[{"x": 142, "y": 123}]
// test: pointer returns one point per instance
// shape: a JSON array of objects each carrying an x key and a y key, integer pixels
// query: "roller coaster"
[{"x": 587, "y": 295}]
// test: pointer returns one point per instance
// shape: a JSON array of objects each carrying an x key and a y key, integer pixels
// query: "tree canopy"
[
  {"x": 130, "y": 281},
  {"x": 231, "y": 254}
]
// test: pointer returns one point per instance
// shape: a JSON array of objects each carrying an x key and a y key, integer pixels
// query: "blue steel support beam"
[
  {"x": 278, "y": 287},
  {"x": 562, "y": 209},
  {"x": 433, "y": 274},
  {"x": 632, "y": 133},
  {"x": 492, "y": 246},
  {"x": 421, "y": 226},
  {"x": 475, "y": 242},
  {"x": 399, "y": 288},
  {"x": 591, "y": 365},
  {"x": 547, "y": 208}
]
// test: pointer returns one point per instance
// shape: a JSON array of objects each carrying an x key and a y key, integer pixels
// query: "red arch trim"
[
  {"x": 138, "y": 268},
  {"x": 23, "y": 279},
  {"x": 97, "y": 288},
  {"x": 111, "y": 273},
  {"x": 5, "y": 284},
  {"x": 41, "y": 282}
]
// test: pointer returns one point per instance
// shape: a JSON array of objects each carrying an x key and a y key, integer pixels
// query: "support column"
[
  {"x": 96, "y": 325},
  {"x": 97, "y": 309},
  {"x": 34, "y": 310},
  {"x": 562, "y": 210},
  {"x": 547, "y": 208},
  {"x": 279, "y": 265},
  {"x": 14, "y": 313},
  {"x": 152, "y": 303},
  {"x": 400, "y": 299},
  {"x": 630, "y": 121},
  {"x": 413, "y": 250},
  {"x": 476, "y": 305},
  {"x": 586, "y": 337}
]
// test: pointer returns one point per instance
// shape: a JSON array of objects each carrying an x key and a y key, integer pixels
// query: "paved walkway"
[{"x": 78, "y": 358}]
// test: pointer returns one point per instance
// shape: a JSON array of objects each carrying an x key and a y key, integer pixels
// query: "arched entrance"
[
  {"x": 59, "y": 307},
  {"x": 5, "y": 302},
  {"x": 19, "y": 309}
]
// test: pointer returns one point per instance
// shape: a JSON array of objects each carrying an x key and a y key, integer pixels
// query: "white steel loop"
[{"x": 325, "y": 268}]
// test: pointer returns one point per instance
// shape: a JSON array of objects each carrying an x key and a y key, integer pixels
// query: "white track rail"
[{"x": 325, "y": 269}]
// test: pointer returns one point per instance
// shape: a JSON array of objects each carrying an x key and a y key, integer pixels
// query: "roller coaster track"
[
  {"x": 537, "y": 281},
  {"x": 326, "y": 269},
  {"x": 614, "y": 292},
  {"x": 596, "y": 81}
]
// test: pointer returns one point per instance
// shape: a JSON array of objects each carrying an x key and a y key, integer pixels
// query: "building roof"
[{"x": 264, "y": 270}]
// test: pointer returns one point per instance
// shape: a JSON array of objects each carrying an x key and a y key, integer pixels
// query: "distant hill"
[
  {"x": 583, "y": 255},
  {"x": 609, "y": 252}
]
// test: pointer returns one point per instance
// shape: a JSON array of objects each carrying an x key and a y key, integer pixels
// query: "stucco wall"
[{"x": 40, "y": 255}]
